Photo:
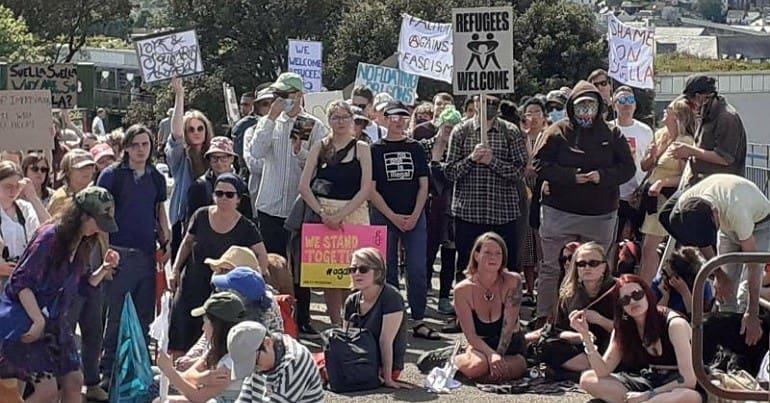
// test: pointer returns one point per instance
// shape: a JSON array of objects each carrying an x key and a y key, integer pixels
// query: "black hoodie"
[{"x": 565, "y": 149}]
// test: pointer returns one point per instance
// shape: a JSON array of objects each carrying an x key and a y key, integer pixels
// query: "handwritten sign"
[
  {"x": 400, "y": 85},
  {"x": 631, "y": 54},
  {"x": 425, "y": 48},
  {"x": 25, "y": 120},
  {"x": 166, "y": 55},
  {"x": 60, "y": 79},
  {"x": 316, "y": 103},
  {"x": 483, "y": 50},
  {"x": 326, "y": 253},
  {"x": 231, "y": 104},
  {"x": 306, "y": 59}
]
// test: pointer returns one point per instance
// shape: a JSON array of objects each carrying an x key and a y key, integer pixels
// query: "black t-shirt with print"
[{"x": 397, "y": 167}]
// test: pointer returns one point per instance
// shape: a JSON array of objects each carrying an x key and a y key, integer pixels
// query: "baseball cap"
[
  {"x": 586, "y": 98},
  {"x": 224, "y": 305},
  {"x": 243, "y": 341},
  {"x": 102, "y": 150},
  {"x": 221, "y": 144},
  {"x": 287, "y": 82},
  {"x": 99, "y": 204},
  {"x": 358, "y": 114},
  {"x": 263, "y": 94},
  {"x": 557, "y": 97},
  {"x": 395, "y": 108},
  {"x": 699, "y": 84},
  {"x": 236, "y": 256},
  {"x": 691, "y": 222},
  {"x": 381, "y": 101},
  {"x": 78, "y": 158},
  {"x": 247, "y": 282}
]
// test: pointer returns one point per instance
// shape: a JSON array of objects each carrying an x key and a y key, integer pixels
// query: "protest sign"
[
  {"x": 400, "y": 85},
  {"x": 317, "y": 102},
  {"x": 306, "y": 59},
  {"x": 631, "y": 53},
  {"x": 166, "y": 55},
  {"x": 483, "y": 50},
  {"x": 231, "y": 104},
  {"x": 425, "y": 48},
  {"x": 326, "y": 253},
  {"x": 25, "y": 120},
  {"x": 60, "y": 79}
]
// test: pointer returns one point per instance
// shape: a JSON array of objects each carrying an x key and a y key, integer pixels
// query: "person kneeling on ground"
[
  {"x": 487, "y": 304},
  {"x": 651, "y": 342},
  {"x": 276, "y": 367},
  {"x": 379, "y": 308},
  {"x": 220, "y": 312}
]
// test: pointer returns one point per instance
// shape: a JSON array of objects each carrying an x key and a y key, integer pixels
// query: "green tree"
[
  {"x": 16, "y": 42},
  {"x": 713, "y": 10}
]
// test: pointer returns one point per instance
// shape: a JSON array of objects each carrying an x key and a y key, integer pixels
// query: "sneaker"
[
  {"x": 445, "y": 306},
  {"x": 96, "y": 393},
  {"x": 307, "y": 332},
  {"x": 434, "y": 359}
]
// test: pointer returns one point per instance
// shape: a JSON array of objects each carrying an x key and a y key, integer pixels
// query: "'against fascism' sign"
[
  {"x": 425, "y": 48},
  {"x": 167, "y": 55}
]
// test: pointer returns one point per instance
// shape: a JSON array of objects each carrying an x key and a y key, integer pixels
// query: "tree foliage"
[
  {"x": 16, "y": 42},
  {"x": 713, "y": 10},
  {"x": 71, "y": 22}
]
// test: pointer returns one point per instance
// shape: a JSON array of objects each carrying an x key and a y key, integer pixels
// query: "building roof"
[
  {"x": 678, "y": 31},
  {"x": 750, "y": 47}
]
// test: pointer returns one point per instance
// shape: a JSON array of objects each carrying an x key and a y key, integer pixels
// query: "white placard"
[
  {"x": 483, "y": 50},
  {"x": 306, "y": 59},
  {"x": 164, "y": 56},
  {"x": 425, "y": 48},
  {"x": 25, "y": 120},
  {"x": 631, "y": 54},
  {"x": 317, "y": 102}
]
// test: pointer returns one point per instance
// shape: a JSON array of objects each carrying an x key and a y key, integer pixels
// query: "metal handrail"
[{"x": 697, "y": 323}]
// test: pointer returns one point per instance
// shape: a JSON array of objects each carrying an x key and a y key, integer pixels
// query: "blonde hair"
[
  {"x": 372, "y": 258},
  {"x": 473, "y": 266},
  {"x": 571, "y": 282},
  {"x": 326, "y": 154},
  {"x": 686, "y": 122}
]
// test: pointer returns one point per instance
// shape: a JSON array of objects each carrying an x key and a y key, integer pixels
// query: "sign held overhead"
[
  {"x": 631, "y": 54},
  {"x": 483, "y": 50},
  {"x": 166, "y": 55},
  {"x": 425, "y": 48},
  {"x": 306, "y": 59},
  {"x": 60, "y": 79}
]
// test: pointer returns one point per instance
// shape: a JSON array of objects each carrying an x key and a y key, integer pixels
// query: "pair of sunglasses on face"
[
  {"x": 360, "y": 269},
  {"x": 626, "y": 100},
  {"x": 636, "y": 295},
  {"x": 591, "y": 263},
  {"x": 221, "y": 193}
]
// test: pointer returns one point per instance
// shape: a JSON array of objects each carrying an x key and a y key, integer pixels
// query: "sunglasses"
[
  {"x": 360, "y": 269},
  {"x": 601, "y": 83},
  {"x": 222, "y": 193},
  {"x": 37, "y": 169},
  {"x": 636, "y": 296},
  {"x": 627, "y": 100},
  {"x": 592, "y": 263},
  {"x": 193, "y": 129}
]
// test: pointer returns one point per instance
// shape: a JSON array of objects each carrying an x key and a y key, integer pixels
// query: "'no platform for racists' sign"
[{"x": 483, "y": 50}]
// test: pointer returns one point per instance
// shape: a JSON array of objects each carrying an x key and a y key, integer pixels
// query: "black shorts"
[
  {"x": 642, "y": 382},
  {"x": 518, "y": 344}
]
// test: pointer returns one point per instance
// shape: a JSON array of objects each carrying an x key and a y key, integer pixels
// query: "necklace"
[{"x": 489, "y": 294}]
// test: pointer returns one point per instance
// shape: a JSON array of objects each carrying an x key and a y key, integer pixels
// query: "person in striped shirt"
[{"x": 276, "y": 367}]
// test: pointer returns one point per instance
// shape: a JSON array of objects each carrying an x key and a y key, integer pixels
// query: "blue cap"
[{"x": 247, "y": 282}]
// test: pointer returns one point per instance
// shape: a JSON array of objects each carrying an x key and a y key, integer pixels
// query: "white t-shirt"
[
  {"x": 13, "y": 234},
  {"x": 639, "y": 137},
  {"x": 227, "y": 362},
  {"x": 97, "y": 126},
  {"x": 375, "y": 132}
]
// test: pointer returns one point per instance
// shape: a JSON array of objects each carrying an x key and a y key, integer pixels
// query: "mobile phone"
[{"x": 302, "y": 128}]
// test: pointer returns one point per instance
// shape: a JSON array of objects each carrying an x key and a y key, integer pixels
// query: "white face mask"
[{"x": 288, "y": 105}]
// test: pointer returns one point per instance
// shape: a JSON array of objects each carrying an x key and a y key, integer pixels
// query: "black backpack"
[{"x": 352, "y": 359}]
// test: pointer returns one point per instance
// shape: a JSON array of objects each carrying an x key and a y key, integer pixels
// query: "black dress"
[{"x": 195, "y": 281}]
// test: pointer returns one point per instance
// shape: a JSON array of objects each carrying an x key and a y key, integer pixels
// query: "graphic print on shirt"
[{"x": 399, "y": 166}]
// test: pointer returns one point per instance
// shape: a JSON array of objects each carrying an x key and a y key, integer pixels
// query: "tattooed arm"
[{"x": 511, "y": 306}]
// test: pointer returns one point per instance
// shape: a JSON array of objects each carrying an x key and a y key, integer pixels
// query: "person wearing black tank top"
[
  {"x": 651, "y": 342},
  {"x": 487, "y": 303}
]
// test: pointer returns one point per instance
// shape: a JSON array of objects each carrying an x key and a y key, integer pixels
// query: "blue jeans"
[
  {"x": 136, "y": 276},
  {"x": 415, "y": 244}
]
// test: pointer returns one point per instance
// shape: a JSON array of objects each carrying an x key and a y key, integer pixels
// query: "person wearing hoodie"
[{"x": 584, "y": 162}]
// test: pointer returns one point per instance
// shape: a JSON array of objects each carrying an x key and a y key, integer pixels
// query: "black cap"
[
  {"x": 395, "y": 108},
  {"x": 699, "y": 84},
  {"x": 692, "y": 223}
]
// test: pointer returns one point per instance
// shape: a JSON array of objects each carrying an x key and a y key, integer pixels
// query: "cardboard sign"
[
  {"x": 400, "y": 85},
  {"x": 317, "y": 103},
  {"x": 60, "y": 79},
  {"x": 306, "y": 59},
  {"x": 425, "y": 48},
  {"x": 326, "y": 253},
  {"x": 167, "y": 55},
  {"x": 483, "y": 50},
  {"x": 25, "y": 120},
  {"x": 631, "y": 54},
  {"x": 232, "y": 108}
]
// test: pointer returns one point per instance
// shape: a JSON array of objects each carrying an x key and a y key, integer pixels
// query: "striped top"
[{"x": 295, "y": 379}]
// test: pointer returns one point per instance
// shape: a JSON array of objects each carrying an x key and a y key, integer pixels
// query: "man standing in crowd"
[
  {"x": 97, "y": 125},
  {"x": 254, "y": 166},
  {"x": 730, "y": 213},
  {"x": 276, "y": 367},
  {"x": 363, "y": 97},
  {"x": 139, "y": 191},
  {"x": 720, "y": 141},
  {"x": 238, "y": 132},
  {"x": 601, "y": 81},
  {"x": 427, "y": 130},
  {"x": 485, "y": 177},
  {"x": 247, "y": 103},
  {"x": 639, "y": 137}
]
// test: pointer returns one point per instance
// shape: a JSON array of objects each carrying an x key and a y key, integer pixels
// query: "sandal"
[{"x": 422, "y": 331}]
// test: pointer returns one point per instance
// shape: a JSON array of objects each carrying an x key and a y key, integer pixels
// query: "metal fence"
[{"x": 758, "y": 166}]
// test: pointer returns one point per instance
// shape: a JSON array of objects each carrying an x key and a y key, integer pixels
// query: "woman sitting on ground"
[
  {"x": 651, "y": 342},
  {"x": 673, "y": 284},
  {"x": 487, "y": 303},
  {"x": 587, "y": 287},
  {"x": 220, "y": 312},
  {"x": 379, "y": 308}
]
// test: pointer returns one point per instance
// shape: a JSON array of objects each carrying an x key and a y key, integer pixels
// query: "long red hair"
[{"x": 627, "y": 338}]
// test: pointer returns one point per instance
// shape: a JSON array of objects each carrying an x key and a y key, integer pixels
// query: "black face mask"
[
  {"x": 492, "y": 111},
  {"x": 420, "y": 121}
]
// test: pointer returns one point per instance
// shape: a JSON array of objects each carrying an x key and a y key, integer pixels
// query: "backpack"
[
  {"x": 351, "y": 359},
  {"x": 286, "y": 306}
]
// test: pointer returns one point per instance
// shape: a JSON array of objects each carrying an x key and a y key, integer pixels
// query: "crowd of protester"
[{"x": 529, "y": 214}]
